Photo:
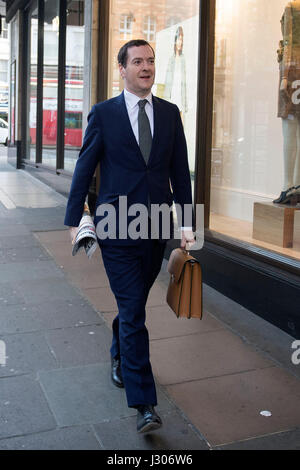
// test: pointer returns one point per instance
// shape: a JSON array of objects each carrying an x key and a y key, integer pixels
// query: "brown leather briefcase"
[{"x": 184, "y": 294}]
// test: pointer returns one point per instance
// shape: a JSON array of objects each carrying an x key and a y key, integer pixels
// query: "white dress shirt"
[{"x": 132, "y": 106}]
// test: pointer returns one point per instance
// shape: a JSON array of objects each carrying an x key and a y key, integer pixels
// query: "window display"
[
  {"x": 255, "y": 160},
  {"x": 289, "y": 103}
]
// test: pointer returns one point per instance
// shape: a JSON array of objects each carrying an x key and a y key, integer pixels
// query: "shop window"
[
  {"x": 255, "y": 160},
  {"x": 32, "y": 83},
  {"x": 175, "y": 41},
  {"x": 50, "y": 82},
  {"x": 74, "y": 83}
]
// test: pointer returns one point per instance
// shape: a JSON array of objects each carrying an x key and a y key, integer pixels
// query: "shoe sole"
[{"x": 152, "y": 426}]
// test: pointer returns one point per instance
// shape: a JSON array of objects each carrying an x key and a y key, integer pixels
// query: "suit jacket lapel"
[{"x": 158, "y": 123}]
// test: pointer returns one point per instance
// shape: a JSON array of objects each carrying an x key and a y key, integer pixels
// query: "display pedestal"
[{"x": 274, "y": 223}]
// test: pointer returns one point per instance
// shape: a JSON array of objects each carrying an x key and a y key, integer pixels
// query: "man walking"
[{"x": 139, "y": 141}]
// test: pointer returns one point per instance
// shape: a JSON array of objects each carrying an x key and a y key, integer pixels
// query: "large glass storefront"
[
  {"x": 255, "y": 167},
  {"x": 74, "y": 83},
  {"x": 59, "y": 60}
]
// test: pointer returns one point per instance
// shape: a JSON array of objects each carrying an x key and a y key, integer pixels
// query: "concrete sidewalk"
[{"x": 214, "y": 377}]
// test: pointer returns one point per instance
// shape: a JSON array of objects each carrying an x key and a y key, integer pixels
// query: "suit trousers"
[{"x": 131, "y": 271}]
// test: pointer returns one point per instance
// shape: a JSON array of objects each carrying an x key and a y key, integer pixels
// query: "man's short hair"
[{"x": 123, "y": 52}]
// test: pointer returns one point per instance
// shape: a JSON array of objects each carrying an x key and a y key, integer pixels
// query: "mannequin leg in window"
[
  {"x": 297, "y": 164},
  {"x": 290, "y": 151}
]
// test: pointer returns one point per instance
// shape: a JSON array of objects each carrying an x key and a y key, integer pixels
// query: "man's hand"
[
  {"x": 73, "y": 233},
  {"x": 187, "y": 239}
]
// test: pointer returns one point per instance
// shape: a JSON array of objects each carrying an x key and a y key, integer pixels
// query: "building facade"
[{"x": 232, "y": 67}]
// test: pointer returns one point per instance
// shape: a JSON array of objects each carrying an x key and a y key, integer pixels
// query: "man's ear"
[{"x": 122, "y": 70}]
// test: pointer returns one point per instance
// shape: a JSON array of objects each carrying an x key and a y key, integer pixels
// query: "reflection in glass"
[
  {"x": 163, "y": 24},
  {"x": 50, "y": 81},
  {"x": 74, "y": 82},
  {"x": 33, "y": 38},
  {"x": 247, "y": 161},
  {"x": 13, "y": 103}
]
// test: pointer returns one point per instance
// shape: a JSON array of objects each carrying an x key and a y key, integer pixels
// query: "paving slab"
[
  {"x": 53, "y": 237},
  {"x": 23, "y": 407},
  {"x": 26, "y": 353},
  {"x": 29, "y": 271},
  {"x": 21, "y": 241},
  {"x": 19, "y": 229},
  {"x": 86, "y": 395},
  {"x": 40, "y": 213},
  {"x": 48, "y": 315},
  {"x": 80, "y": 345},
  {"x": 75, "y": 438},
  {"x": 175, "y": 434},
  {"x": 87, "y": 278},
  {"x": 43, "y": 290},
  {"x": 289, "y": 440},
  {"x": 25, "y": 189},
  {"x": 101, "y": 298},
  {"x": 9, "y": 295},
  {"x": 163, "y": 323},
  {"x": 228, "y": 408},
  {"x": 198, "y": 356},
  {"x": 34, "y": 200},
  {"x": 19, "y": 254}
]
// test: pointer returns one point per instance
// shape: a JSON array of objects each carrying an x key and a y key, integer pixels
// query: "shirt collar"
[{"x": 132, "y": 100}]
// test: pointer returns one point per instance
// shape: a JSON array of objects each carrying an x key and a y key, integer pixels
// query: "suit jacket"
[{"x": 109, "y": 139}]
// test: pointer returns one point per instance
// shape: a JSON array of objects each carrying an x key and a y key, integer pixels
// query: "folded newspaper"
[{"x": 86, "y": 235}]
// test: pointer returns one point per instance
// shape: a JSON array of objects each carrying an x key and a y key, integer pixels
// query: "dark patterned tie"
[{"x": 145, "y": 136}]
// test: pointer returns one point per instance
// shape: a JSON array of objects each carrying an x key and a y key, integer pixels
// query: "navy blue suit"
[{"x": 131, "y": 265}]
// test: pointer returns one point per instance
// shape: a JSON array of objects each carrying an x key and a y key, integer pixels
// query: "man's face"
[{"x": 139, "y": 72}]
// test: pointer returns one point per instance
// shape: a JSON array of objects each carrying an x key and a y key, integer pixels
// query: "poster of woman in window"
[
  {"x": 175, "y": 82},
  {"x": 176, "y": 58}
]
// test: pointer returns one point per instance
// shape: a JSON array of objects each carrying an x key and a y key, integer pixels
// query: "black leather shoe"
[
  {"x": 147, "y": 419},
  {"x": 287, "y": 197},
  {"x": 297, "y": 189},
  {"x": 116, "y": 375}
]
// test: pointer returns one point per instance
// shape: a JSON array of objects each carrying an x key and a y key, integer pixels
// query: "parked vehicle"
[{"x": 3, "y": 132}]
